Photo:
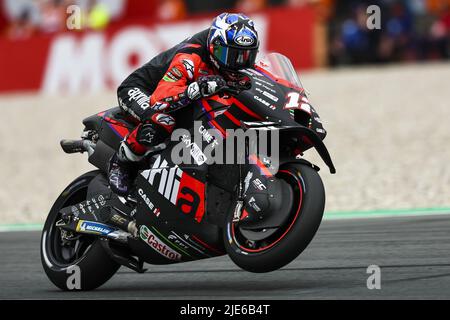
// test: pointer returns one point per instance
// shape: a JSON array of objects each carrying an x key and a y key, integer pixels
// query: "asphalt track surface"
[{"x": 412, "y": 252}]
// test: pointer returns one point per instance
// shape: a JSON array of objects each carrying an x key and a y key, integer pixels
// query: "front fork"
[
  {"x": 240, "y": 197},
  {"x": 245, "y": 176}
]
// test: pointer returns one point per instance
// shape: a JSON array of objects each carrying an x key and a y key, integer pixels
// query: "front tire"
[
  {"x": 85, "y": 257},
  {"x": 292, "y": 238}
]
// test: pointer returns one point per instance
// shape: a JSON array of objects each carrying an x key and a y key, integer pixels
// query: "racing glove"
[{"x": 205, "y": 86}]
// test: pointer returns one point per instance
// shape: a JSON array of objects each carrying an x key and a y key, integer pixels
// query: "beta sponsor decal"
[
  {"x": 93, "y": 227},
  {"x": 156, "y": 244}
]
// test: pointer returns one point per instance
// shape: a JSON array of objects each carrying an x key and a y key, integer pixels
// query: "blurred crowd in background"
[
  {"x": 411, "y": 30},
  {"x": 26, "y": 18}
]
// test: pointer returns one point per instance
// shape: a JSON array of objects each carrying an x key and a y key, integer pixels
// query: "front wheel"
[
  {"x": 288, "y": 242},
  {"x": 74, "y": 262}
]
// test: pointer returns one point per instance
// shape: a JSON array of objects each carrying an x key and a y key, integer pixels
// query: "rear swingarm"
[{"x": 73, "y": 222}]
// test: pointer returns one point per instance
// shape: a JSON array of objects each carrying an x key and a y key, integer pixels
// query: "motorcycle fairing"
[
  {"x": 267, "y": 200},
  {"x": 313, "y": 139},
  {"x": 172, "y": 223},
  {"x": 112, "y": 126},
  {"x": 300, "y": 132},
  {"x": 170, "y": 213}
]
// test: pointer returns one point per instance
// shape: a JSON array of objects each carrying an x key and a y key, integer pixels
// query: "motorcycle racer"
[{"x": 198, "y": 67}]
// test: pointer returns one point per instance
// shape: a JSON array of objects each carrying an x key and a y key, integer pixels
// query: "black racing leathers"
[{"x": 159, "y": 87}]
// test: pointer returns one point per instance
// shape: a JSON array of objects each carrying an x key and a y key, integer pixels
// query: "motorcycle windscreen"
[{"x": 281, "y": 67}]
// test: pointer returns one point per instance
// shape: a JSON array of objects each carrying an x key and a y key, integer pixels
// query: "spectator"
[
  {"x": 171, "y": 10},
  {"x": 98, "y": 15},
  {"x": 3, "y": 21},
  {"x": 411, "y": 30},
  {"x": 199, "y": 6},
  {"x": 439, "y": 37},
  {"x": 250, "y": 5},
  {"x": 21, "y": 28},
  {"x": 53, "y": 16}
]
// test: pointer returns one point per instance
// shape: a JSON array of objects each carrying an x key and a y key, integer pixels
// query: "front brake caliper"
[{"x": 238, "y": 211}]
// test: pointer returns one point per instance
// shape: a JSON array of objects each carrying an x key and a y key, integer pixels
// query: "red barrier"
[{"x": 77, "y": 62}]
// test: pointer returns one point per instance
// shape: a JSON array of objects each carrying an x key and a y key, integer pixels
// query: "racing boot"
[
  {"x": 146, "y": 138},
  {"x": 123, "y": 168}
]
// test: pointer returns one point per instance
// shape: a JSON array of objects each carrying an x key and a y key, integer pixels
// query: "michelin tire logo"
[{"x": 93, "y": 227}]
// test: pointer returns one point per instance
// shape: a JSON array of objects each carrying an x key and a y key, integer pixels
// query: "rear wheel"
[
  {"x": 73, "y": 261},
  {"x": 284, "y": 244}
]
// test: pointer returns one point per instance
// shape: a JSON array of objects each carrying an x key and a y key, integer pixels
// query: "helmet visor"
[{"x": 234, "y": 58}]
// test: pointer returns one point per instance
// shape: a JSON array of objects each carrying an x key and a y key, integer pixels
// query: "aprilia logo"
[
  {"x": 180, "y": 189},
  {"x": 141, "y": 98},
  {"x": 169, "y": 183}
]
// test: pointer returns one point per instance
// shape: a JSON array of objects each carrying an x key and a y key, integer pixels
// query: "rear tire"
[
  {"x": 59, "y": 261},
  {"x": 294, "y": 236}
]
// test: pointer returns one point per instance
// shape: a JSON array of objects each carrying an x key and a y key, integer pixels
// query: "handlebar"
[{"x": 234, "y": 88}]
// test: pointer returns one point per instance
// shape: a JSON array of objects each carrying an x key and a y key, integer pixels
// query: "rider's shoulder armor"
[{"x": 149, "y": 75}]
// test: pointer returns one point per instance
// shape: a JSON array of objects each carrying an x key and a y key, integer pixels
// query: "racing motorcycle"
[{"x": 261, "y": 214}]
